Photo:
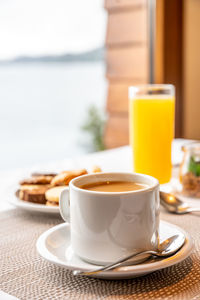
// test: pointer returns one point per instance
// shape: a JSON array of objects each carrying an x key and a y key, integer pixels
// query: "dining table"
[{"x": 24, "y": 274}]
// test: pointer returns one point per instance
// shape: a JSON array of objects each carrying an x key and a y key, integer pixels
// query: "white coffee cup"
[{"x": 106, "y": 226}]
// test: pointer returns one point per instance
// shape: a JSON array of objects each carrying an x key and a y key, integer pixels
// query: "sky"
[{"x": 39, "y": 27}]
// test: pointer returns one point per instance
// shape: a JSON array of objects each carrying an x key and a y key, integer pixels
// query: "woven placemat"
[{"x": 24, "y": 274}]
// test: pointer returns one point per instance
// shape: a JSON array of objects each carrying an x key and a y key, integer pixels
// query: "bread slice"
[
  {"x": 40, "y": 179},
  {"x": 33, "y": 193},
  {"x": 36, "y": 174}
]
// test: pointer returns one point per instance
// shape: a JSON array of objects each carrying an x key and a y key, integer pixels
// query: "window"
[{"x": 51, "y": 71}]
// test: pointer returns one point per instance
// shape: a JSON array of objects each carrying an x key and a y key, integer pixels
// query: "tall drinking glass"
[{"x": 151, "y": 127}]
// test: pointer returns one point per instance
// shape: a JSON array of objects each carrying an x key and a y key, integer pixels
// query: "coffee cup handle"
[{"x": 64, "y": 205}]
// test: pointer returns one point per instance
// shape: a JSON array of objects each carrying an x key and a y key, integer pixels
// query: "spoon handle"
[
  {"x": 192, "y": 209},
  {"x": 112, "y": 265}
]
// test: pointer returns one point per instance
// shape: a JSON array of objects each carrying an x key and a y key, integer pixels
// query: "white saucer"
[
  {"x": 54, "y": 246},
  {"x": 33, "y": 207}
]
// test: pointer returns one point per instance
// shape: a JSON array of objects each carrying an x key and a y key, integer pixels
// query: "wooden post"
[
  {"x": 169, "y": 51},
  {"x": 127, "y": 59}
]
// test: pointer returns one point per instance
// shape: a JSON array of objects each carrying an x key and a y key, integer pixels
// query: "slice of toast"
[
  {"x": 36, "y": 174},
  {"x": 39, "y": 179},
  {"x": 33, "y": 194}
]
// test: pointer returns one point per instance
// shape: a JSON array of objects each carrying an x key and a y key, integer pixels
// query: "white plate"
[
  {"x": 54, "y": 246},
  {"x": 33, "y": 207}
]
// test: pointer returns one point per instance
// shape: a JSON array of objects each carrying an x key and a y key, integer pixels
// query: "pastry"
[
  {"x": 39, "y": 179},
  {"x": 45, "y": 188},
  {"x": 52, "y": 195},
  {"x": 65, "y": 177},
  {"x": 96, "y": 169}
]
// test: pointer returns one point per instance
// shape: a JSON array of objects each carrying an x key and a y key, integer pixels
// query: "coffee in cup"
[{"x": 114, "y": 186}]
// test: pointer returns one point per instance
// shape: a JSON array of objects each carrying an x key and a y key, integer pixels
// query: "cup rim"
[{"x": 147, "y": 189}]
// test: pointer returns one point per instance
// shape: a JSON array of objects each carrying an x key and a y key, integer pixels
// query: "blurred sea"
[{"x": 43, "y": 106}]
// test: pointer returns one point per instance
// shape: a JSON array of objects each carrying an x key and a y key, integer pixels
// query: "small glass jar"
[{"x": 190, "y": 170}]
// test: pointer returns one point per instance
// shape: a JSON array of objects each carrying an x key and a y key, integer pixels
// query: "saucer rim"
[{"x": 122, "y": 272}]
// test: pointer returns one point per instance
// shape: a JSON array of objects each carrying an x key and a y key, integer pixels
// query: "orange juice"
[{"x": 151, "y": 133}]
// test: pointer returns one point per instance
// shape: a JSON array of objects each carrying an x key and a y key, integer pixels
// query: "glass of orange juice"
[{"x": 151, "y": 129}]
